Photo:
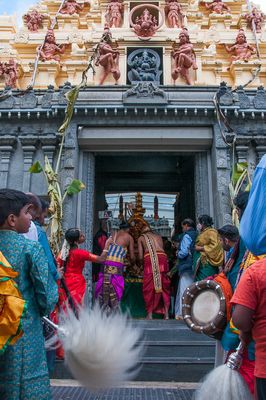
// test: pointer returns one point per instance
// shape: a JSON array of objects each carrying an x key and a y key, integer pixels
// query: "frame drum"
[{"x": 204, "y": 308}]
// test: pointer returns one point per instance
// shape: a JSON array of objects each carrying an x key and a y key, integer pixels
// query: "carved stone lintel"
[{"x": 143, "y": 92}]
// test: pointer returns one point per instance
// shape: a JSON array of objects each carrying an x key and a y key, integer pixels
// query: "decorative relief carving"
[
  {"x": 9, "y": 71},
  {"x": 174, "y": 14},
  {"x": 28, "y": 100},
  {"x": 33, "y": 20},
  {"x": 144, "y": 65},
  {"x": 255, "y": 17},
  {"x": 114, "y": 13},
  {"x": 183, "y": 58},
  {"x": 243, "y": 98},
  {"x": 48, "y": 97},
  {"x": 260, "y": 98},
  {"x": 107, "y": 57},
  {"x": 50, "y": 50},
  {"x": 145, "y": 24},
  {"x": 218, "y": 7},
  {"x": 71, "y": 7},
  {"x": 241, "y": 50},
  {"x": 147, "y": 91}
]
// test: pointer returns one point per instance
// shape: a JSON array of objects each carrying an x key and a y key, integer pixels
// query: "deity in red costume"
[{"x": 156, "y": 283}]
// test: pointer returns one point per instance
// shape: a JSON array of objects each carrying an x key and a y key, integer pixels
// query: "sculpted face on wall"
[
  {"x": 114, "y": 13},
  {"x": 50, "y": 50},
  {"x": 9, "y": 71},
  {"x": 241, "y": 50},
  {"x": 183, "y": 58},
  {"x": 34, "y": 20},
  {"x": 107, "y": 57}
]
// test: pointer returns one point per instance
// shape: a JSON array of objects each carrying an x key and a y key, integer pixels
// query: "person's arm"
[
  {"x": 131, "y": 250},
  {"x": 245, "y": 300},
  {"x": 140, "y": 249},
  {"x": 184, "y": 247},
  {"x": 45, "y": 287}
]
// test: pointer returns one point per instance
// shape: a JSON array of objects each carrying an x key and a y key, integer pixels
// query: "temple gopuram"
[{"x": 174, "y": 93}]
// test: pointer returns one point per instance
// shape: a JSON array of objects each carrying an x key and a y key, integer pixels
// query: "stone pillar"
[
  {"x": 202, "y": 190},
  {"x": 242, "y": 151},
  {"x": 48, "y": 147},
  {"x": 6, "y": 150},
  {"x": 260, "y": 147},
  {"x": 220, "y": 168},
  {"x": 89, "y": 216},
  {"x": 28, "y": 146}
]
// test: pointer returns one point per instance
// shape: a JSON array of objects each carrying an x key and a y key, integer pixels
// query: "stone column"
[
  {"x": 260, "y": 147},
  {"x": 28, "y": 146},
  {"x": 89, "y": 216},
  {"x": 242, "y": 151},
  {"x": 202, "y": 199},
  {"x": 6, "y": 150},
  {"x": 48, "y": 147}
]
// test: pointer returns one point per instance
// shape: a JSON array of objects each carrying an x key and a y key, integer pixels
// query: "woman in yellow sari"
[{"x": 208, "y": 255}]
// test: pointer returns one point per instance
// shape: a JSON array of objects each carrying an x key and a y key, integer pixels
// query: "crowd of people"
[{"x": 50, "y": 284}]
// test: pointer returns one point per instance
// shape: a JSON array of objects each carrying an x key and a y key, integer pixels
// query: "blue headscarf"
[{"x": 253, "y": 221}]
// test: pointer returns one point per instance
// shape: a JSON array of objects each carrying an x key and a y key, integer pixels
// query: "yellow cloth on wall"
[
  {"x": 12, "y": 306},
  {"x": 213, "y": 252}
]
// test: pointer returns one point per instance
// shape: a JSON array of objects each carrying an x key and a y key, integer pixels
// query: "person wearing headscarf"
[{"x": 208, "y": 255}]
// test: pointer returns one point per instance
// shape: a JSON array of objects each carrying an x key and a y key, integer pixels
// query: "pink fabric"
[{"x": 117, "y": 281}]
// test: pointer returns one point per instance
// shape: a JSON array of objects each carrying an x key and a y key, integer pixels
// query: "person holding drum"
[{"x": 209, "y": 254}]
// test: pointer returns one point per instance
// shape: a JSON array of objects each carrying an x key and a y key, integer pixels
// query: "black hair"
[
  {"x": 241, "y": 201},
  {"x": 124, "y": 225},
  {"x": 189, "y": 222},
  {"x": 11, "y": 202},
  {"x": 205, "y": 220},
  {"x": 45, "y": 204},
  {"x": 72, "y": 235},
  {"x": 34, "y": 200},
  {"x": 229, "y": 232}
]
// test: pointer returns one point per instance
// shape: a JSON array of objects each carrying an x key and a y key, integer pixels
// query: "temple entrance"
[{"x": 156, "y": 189}]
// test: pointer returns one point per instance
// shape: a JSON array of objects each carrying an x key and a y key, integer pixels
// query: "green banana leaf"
[
  {"x": 36, "y": 168},
  {"x": 238, "y": 170},
  {"x": 75, "y": 187}
]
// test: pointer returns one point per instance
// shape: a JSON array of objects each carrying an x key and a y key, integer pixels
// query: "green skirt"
[{"x": 202, "y": 271}]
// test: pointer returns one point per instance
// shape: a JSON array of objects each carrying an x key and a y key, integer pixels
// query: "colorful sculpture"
[
  {"x": 184, "y": 58},
  {"x": 114, "y": 12},
  {"x": 9, "y": 71},
  {"x": 34, "y": 20},
  {"x": 256, "y": 18},
  {"x": 107, "y": 57},
  {"x": 174, "y": 14},
  {"x": 50, "y": 50},
  {"x": 71, "y": 7},
  {"x": 241, "y": 50},
  {"x": 146, "y": 24},
  {"x": 218, "y": 7}
]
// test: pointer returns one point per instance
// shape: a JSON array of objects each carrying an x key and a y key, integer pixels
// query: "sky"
[{"x": 21, "y": 6}]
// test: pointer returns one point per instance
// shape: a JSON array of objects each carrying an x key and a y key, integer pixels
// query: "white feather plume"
[
  {"x": 101, "y": 350},
  {"x": 223, "y": 383}
]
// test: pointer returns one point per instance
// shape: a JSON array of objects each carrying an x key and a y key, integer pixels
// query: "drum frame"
[{"x": 214, "y": 328}]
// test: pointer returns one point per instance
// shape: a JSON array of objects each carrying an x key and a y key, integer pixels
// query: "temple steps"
[{"x": 171, "y": 353}]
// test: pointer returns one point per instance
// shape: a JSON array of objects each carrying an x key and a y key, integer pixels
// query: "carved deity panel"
[{"x": 144, "y": 65}]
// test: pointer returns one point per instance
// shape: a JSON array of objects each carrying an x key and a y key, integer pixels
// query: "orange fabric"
[
  {"x": 251, "y": 293},
  {"x": 222, "y": 280}
]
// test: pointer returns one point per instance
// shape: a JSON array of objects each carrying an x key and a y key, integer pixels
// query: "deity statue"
[
  {"x": 49, "y": 51},
  {"x": 174, "y": 14},
  {"x": 34, "y": 20},
  {"x": 218, "y": 7},
  {"x": 255, "y": 17},
  {"x": 114, "y": 13},
  {"x": 107, "y": 57},
  {"x": 184, "y": 58},
  {"x": 71, "y": 7},
  {"x": 241, "y": 50},
  {"x": 146, "y": 25},
  {"x": 9, "y": 71},
  {"x": 144, "y": 66}
]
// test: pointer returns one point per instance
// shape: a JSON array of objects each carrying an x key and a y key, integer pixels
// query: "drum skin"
[{"x": 213, "y": 328}]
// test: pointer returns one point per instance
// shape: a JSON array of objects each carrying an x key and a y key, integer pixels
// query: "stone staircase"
[{"x": 172, "y": 353}]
